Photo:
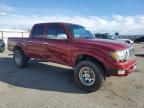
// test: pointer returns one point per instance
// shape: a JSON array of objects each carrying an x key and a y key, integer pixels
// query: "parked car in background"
[
  {"x": 139, "y": 40},
  {"x": 2, "y": 45},
  {"x": 112, "y": 37},
  {"x": 73, "y": 45}
]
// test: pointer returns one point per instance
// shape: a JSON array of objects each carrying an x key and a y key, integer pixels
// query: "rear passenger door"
[
  {"x": 57, "y": 45},
  {"x": 35, "y": 43}
]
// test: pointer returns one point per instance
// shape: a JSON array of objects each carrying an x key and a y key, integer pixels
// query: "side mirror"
[{"x": 62, "y": 36}]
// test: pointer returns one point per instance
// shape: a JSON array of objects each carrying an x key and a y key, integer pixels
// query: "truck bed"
[{"x": 14, "y": 40}]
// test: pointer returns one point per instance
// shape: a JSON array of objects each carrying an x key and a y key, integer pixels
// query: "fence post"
[{"x": 22, "y": 34}]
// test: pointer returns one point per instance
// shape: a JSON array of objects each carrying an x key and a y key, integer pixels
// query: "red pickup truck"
[{"x": 73, "y": 45}]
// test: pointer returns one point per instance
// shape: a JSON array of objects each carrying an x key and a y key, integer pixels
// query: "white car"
[
  {"x": 111, "y": 37},
  {"x": 2, "y": 45}
]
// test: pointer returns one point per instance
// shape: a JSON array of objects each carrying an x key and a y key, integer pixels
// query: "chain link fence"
[{"x": 5, "y": 34}]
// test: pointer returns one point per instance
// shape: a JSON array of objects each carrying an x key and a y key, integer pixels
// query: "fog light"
[{"x": 121, "y": 72}]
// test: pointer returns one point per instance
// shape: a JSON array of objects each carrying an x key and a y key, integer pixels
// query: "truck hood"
[{"x": 108, "y": 44}]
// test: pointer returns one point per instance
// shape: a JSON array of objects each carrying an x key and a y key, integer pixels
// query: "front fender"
[{"x": 101, "y": 58}]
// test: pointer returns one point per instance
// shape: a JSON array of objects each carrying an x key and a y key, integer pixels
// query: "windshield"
[{"x": 80, "y": 32}]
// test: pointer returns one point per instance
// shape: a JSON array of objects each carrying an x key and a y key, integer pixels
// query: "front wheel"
[
  {"x": 20, "y": 59},
  {"x": 88, "y": 76}
]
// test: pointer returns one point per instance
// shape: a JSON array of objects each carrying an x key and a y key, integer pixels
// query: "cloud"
[
  {"x": 11, "y": 17},
  {"x": 5, "y": 8},
  {"x": 3, "y": 13}
]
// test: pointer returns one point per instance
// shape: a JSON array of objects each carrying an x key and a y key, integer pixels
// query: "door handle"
[
  {"x": 30, "y": 41},
  {"x": 45, "y": 43}
]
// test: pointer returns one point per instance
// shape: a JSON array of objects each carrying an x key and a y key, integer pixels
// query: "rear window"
[{"x": 38, "y": 31}]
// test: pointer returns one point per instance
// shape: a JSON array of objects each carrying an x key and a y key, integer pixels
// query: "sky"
[{"x": 124, "y": 16}]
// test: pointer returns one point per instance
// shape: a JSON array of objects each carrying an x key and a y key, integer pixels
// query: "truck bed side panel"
[{"x": 12, "y": 42}]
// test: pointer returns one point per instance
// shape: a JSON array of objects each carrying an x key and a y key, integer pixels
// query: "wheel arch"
[
  {"x": 88, "y": 57},
  {"x": 19, "y": 47}
]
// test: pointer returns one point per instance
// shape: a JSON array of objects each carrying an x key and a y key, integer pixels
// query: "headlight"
[{"x": 120, "y": 55}]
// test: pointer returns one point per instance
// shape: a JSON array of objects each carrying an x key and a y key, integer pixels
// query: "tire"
[
  {"x": 95, "y": 69},
  {"x": 20, "y": 59}
]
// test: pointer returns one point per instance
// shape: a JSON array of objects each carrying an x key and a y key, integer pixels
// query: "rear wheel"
[
  {"x": 20, "y": 59},
  {"x": 88, "y": 76}
]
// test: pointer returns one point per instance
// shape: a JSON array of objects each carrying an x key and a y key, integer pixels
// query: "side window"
[
  {"x": 38, "y": 31},
  {"x": 104, "y": 36},
  {"x": 55, "y": 31},
  {"x": 78, "y": 33}
]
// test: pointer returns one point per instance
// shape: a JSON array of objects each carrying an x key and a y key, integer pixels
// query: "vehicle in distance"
[
  {"x": 111, "y": 37},
  {"x": 73, "y": 45},
  {"x": 139, "y": 40},
  {"x": 2, "y": 45}
]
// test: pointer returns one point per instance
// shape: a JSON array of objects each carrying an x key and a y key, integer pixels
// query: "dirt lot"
[{"x": 41, "y": 85}]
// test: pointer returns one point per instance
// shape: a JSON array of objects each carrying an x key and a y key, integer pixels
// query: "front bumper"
[{"x": 122, "y": 69}]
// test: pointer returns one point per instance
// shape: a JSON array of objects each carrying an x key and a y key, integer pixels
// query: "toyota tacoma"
[{"x": 73, "y": 45}]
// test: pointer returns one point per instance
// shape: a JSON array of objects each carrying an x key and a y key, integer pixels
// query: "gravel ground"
[{"x": 43, "y": 85}]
